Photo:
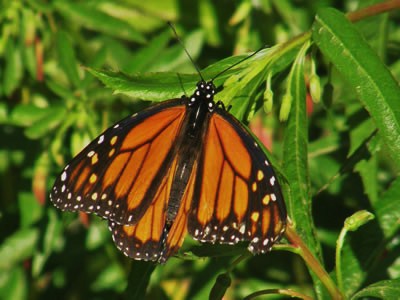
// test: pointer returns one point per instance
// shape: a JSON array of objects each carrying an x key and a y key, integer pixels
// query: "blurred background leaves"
[{"x": 55, "y": 57}]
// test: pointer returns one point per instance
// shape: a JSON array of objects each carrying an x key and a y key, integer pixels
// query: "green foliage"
[
  {"x": 363, "y": 69},
  {"x": 70, "y": 69}
]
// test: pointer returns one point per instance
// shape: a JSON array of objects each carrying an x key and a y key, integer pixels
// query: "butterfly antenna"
[
  {"x": 184, "y": 48},
  {"x": 239, "y": 62}
]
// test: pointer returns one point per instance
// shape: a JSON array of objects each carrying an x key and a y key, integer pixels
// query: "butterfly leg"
[{"x": 222, "y": 105}]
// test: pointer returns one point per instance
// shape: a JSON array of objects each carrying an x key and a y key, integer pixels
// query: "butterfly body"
[{"x": 182, "y": 166}]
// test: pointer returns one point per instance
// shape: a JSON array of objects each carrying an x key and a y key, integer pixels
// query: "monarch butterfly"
[{"x": 182, "y": 166}]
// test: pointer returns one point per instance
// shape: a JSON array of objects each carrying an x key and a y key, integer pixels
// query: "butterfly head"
[{"x": 204, "y": 93}]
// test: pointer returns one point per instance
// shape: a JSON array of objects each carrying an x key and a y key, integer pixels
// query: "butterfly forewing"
[
  {"x": 118, "y": 174},
  {"x": 237, "y": 197}
]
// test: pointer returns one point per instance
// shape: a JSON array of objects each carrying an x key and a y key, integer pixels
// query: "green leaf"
[
  {"x": 163, "y": 86},
  {"x": 295, "y": 159},
  {"x": 208, "y": 16},
  {"x": 375, "y": 29},
  {"x": 222, "y": 283},
  {"x": 139, "y": 278},
  {"x": 243, "y": 97},
  {"x": 27, "y": 114},
  {"x": 13, "y": 68},
  {"x": 208, "y": 250},
  {"x": 175, "y": 58},
  {"x": 3, "y": 112},
  {"x": 53, "y": 117},
  {"x": 385, "y": 289},
  {"x": 387, "y": 210},
  {"x": 90, "y": 17},
  {"x": 359, "y": 251},
  {"x": 27, "y": 43},
  {"x": 52, "y": 229},
  {"x": 358, "y": 156},
  {"x": 146, "y": 57},
  {"x": 292, "y": 16},
  {"x": 67, "y": 59},
  {"x": 59, "y": 89},
  {"x": 112, "y": 277},
  {"x": 295, "y": 155},
  {"x": 367, "y": 165},
  {"x": 17, "y": 247},
  {"x": 164, "y": 10},
  {"x": 374, "y": 85},
  {"x": 204, "y": 279},
  {"x": 352, "y": 269},
  {"x": 241, "y": 13},
  {"x": 357, "y": 220},
  {"x": 13, "y": 284},
  {"x": 97, "y": 235},
  {"x": 151, "y": 86},
  {"x": 30, "y": 209}
]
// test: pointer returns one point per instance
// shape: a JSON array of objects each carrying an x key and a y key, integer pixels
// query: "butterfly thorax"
[{"x": 200, "y": 104}]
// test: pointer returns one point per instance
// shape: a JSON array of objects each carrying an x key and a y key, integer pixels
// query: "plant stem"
[
  {"x": 339, "y": 245},
  {"x": 353, "y": 16},
  {"x": 373, "y": 10},
  {"x": 277, "y": 291},
  {"x": 312, "y": 262}
]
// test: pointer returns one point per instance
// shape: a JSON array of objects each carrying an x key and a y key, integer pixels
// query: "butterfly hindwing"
[
  {"x": 237, "y": 197},
  {"x": 118, "y": 174},
  {"x": 145, "y": 239},
  {"x": 152, "y": 238}
]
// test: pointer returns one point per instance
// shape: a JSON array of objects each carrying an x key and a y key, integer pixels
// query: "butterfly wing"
[
  {"x": 119, "y": 174},
  {"x": 151, "y": 238},
  {"x": 237, "y": 197}
]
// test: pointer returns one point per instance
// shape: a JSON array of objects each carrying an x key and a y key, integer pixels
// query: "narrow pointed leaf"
[{"x": 371, "y": 80}]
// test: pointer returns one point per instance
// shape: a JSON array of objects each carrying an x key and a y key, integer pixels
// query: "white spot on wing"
[
  {"x": 272, "y": 180},
  {"x": 242, "y": 228},
  {"x": 273, "y": 197},
  {"x": 101, "y": 139}
]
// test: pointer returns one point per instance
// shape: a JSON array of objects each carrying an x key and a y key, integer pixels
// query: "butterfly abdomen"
[{"x": 189, "y": 146}]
